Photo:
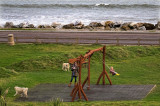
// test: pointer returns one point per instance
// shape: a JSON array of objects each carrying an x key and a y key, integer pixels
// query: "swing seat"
[{"x": 117, "y": 74}]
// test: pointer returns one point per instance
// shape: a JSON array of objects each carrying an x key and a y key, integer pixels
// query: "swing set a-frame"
[{"x": 81, "y": 60}]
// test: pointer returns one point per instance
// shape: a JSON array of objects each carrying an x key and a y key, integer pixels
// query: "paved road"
[{"x": 85, "y": 35}]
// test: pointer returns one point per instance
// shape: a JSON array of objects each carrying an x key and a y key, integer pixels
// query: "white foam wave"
[{"x": 101, "y": 4}]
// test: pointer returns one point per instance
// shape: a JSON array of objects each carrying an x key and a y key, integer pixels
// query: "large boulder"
[
  {"x": 158, "y": 25},
  {"x": 125, "y": 26},
  {"x": 41, "y": 26},
  {"x": 117, "y": 25},
  {"x": 95, "y": 24},
  {"x": 133, "y": 25},
  {"x": 69, "y": 26},
  {"x": 8, "y": 25},
  {"x": 149, "y": 26},
  {"x": 22, "y": 25},
  {"x": 109, "y": 24},
  {"x": 55, "y": 25},
  {"x": 47, "y": 26},
  {"x": 88, "y": 27},
  {"x": 15, "y": 26},
  {"x": 143, "y": 28},
  {"x": 78, "y": 25},
  {"x": 140, "y": 24},
  {"x": 31, "y": 26},
  {"x": 107, "y": 28}
]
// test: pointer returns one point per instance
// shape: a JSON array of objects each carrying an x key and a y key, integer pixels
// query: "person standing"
[{"x": 74, "y": 70}]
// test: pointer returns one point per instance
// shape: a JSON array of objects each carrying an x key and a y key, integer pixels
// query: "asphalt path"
[
  {"x": 49, "y": 35},
  {"x": 49, "y": 92}
]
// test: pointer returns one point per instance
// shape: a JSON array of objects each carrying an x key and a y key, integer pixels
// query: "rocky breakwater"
[
  {"x": 21, "y": 25},
  {"x": 54, "y": 25},
  {"x": 108, "y": 25},
  {"x": 76, "y": 25},
  {"x": 95, "y": 25}
]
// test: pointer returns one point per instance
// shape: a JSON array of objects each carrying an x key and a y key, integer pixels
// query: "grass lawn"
[{"x": 28, "y": 65}]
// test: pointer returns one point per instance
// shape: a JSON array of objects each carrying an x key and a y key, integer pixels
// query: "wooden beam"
[{"x": 92, "y": 51}]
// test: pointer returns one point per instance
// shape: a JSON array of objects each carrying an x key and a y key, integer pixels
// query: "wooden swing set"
[{"x": 81, "y": 60}]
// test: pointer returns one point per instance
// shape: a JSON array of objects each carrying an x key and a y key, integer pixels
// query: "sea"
[{"x": 70, "y": 11}]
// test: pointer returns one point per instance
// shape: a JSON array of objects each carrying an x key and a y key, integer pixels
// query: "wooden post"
[
  {"x": 138, "y": 41},
  {"x": 77, "y": 40},
  {"x": 117, "y": 41},
  {"x": 80, "y": 70},
  {"x": 108, "y": 77},
  {"x": 97, "y": 41},
  {"x": 56, "y": 40},
  {"x": 36, "y": 39},
  {"x": 84, "y": 82},
  {"x": 159, "y": 42},
  {"x": 99, "y": 78},
  {"x": 104, "y": 70},
  {"x": 104, "y": 49},
  {"x": 78, "y": 88},
  {"x": 16, "y": 39},
  {"x": 89, "y": 58},
  {"x": 75, "y": 92},
  {"x": 11, "y": 39},
  {"x": 85, "y": 97}
]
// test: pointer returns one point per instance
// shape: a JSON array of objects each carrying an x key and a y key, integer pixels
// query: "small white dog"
[{"x": 21, "y": 91}]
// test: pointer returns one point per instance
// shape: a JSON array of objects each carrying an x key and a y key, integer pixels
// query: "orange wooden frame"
[{"x": 80, "y": 60}]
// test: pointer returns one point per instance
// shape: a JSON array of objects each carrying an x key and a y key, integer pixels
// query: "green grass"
[
  {"x": 6, "y": 72},
  {"x": 41, "y": 63}
]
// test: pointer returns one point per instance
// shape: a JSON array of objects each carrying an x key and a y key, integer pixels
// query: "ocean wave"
[
  {"x": 81, "y": 5},
  {"x": 43, "y": 5},
  {"x": 102, "y": 4},
  {"x": 128, "y": 5}
]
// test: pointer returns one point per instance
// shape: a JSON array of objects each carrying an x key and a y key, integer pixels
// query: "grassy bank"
[{"x": 30, "y": 64}]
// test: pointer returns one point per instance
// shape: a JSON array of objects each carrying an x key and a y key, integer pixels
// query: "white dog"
[
  {"x": 21, "y": 91},
  {"x": 65, "y": 66}
]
